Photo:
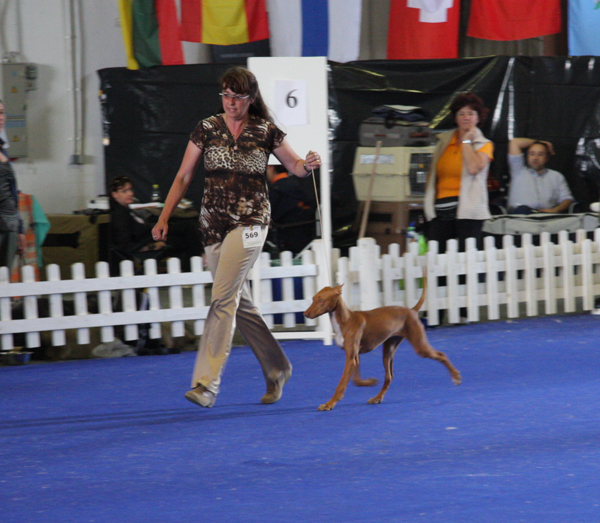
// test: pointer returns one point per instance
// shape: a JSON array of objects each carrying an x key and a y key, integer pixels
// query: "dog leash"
[{"x": 321, "y": 222}]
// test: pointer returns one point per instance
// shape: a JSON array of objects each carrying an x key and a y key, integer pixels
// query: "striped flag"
[
  {"x": 584, "y": 25},
  {"x": 505, "y": 20},
  {"x": 423, "y": 29},
  {"x": 151, "y": 33},
  {"x": 328, "y": 28},
  {"x": 224, "y": 22}
]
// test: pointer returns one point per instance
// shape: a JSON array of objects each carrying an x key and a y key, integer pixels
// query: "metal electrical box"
[{"x": 15, "y": 80}]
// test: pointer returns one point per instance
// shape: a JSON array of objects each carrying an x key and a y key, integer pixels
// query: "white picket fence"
[
  {"x": 264, "y": 280},
  {"x": 494, "y": 283}
]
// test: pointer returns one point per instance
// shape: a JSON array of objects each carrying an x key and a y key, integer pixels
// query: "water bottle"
[{"x": 155, "y": 193}]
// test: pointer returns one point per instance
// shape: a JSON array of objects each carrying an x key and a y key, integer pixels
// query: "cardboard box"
[{"x": 400, "y": 173}]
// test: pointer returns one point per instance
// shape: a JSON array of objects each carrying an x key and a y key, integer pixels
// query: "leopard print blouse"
[{"x": 235, "y": 189}]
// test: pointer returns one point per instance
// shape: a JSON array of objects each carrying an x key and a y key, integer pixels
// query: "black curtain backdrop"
[
  {"x": 148, "y": 117},
  {"x": 149, "y": 114}
]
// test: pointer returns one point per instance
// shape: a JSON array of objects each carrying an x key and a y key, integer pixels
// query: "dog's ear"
[{"x": 338, "y": 289}]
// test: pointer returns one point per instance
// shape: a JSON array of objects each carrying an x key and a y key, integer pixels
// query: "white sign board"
[
  {"x": 308, "y": 75},
  {"x": 307, "y": 130}
]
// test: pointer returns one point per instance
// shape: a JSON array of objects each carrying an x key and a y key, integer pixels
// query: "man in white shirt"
[{"x": 533, "y": 188}]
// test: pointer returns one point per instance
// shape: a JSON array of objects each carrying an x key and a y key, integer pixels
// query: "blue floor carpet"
[{"x": 115, "y": 441}]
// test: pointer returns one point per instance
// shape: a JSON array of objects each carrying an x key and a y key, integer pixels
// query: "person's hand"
[
  {"x": 550, "y": 147},
  {"x": 312, "y": 162},
  {"x": 159, "y": 231},
  {"x": 470, "y": 134},
  {"x": 22, "y": 245}
]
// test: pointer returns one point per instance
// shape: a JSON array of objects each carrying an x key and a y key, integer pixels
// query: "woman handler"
[{"x": 235, "y": 214}]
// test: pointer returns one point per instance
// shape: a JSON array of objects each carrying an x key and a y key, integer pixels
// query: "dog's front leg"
[{"x": 351, "y": 364}]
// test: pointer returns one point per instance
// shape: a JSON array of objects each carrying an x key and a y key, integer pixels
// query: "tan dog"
[{"x": 358, "y": 332}]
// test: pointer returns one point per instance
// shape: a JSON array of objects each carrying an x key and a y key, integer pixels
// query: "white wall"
[{"x": 38, "y": 30}]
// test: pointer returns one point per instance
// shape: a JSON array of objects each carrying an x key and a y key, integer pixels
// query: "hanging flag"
[
  {"x": 514, "y": 19},
  {"x": 584, "y": 23},
  {"x": 328, "y": 28},
  {"x": 423, "y": 29},
  {"x": 151, "y": 33},
  {"x": 224, "y": 22}
]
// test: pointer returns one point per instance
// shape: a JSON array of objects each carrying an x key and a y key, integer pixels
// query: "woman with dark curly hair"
[{"x": 456, "y": 195}]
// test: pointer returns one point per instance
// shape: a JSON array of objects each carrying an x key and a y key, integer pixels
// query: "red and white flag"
[{"x": 423, "y": 29}]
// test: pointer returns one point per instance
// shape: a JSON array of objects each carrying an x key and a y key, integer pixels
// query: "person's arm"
[
  {"x": 22, "y": 245},
  {"x": 474, "y": 161},
  {"x": 517, "y": 145},
  {"x": 437, "y": 152},
  {"x": 180, "y": 185},
  {"x": 126, "y": 234},
  {"x": 564, "y": 196},
  {"x": 561, "y": 207},
  {"x": 293, "y": 163}
]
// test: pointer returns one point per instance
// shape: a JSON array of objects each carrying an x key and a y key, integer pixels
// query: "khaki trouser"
[{"x": 232, "y": 303}]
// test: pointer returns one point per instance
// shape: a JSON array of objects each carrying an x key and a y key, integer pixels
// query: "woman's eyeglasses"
[{"x": 234, "y": 96}]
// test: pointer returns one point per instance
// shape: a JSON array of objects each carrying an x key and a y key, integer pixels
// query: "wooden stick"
[{"x": 367, "y": 209}]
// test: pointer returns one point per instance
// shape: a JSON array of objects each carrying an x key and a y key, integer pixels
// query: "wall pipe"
[{"x": 74, "y": 52}]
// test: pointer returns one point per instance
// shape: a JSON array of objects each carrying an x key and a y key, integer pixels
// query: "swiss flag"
[
  {"x": 514, "y": 19},
  {"x": 423, "y": 29}
]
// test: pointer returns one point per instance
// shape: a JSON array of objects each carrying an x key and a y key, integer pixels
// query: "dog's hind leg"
[
  {"x": 415, "y": 333},
  {"x": 389, "y": 350},
  {"x": 359, "y": 382}
]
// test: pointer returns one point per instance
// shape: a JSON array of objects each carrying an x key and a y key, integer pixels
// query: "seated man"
[
  {"x": 130, "y": 233},
  {"x": 533, "y": 188}
]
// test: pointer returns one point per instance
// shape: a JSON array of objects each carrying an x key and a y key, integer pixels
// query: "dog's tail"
[{"x": 421, "y": 301}]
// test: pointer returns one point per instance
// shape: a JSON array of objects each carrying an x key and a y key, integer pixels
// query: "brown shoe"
[
  {"x": 201, "y": 396},
  {"x": 275, "y": 388}
]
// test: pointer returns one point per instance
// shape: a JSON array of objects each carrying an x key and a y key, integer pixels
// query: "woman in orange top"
[{"x": 456, "y": 197}]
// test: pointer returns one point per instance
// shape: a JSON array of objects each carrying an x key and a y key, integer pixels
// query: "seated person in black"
[
  {"x": 131, "y": 233},
  {"x": 293, "y": 210}
]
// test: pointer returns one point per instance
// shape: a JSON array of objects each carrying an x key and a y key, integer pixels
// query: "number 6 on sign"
[{"x": 291, "y": 104}]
